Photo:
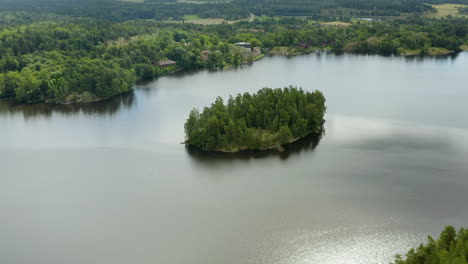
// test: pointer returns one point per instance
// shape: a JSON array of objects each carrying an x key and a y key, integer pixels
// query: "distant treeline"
[
  {"x": 450, "y": 248},
  {"x": 323, "y": 9},
  {"x": 170, "y": 10},
  {"x": 419, "y": 37},
  {"x": 439, "y": 2},
  {"x": 120, "y": 11},
  {"x": 269, "y": 118}
]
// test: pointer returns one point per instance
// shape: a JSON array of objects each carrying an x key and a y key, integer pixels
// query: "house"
[
  {"x": 243, "y": 44},
  {"x": 205, "y": 54},
  {"x": 256, "y": 51},
  {"x": 166, "y": 63}
]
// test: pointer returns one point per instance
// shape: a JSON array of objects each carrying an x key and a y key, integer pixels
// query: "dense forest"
[
  {"x": 119, "y": 11},
  {"x": 340, "y": 8},
  {"x": 232, "y": 10},
  {"x": 86, "y": 59},
  {"x": 269, "y": 118},
  {"x": 450, "y": 248},
  {"x": 66, "y": 51}
]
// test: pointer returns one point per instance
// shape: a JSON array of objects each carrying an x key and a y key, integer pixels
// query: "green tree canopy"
[
  {"x": 269, "y": 118},
  {"x": 450, "y": 248}
]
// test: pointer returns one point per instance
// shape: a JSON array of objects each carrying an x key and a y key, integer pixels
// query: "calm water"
[{"x": 109, "y": 183}]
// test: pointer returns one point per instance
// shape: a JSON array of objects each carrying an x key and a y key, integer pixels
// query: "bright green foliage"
[
  {"x": 270, "y": 118},
  {"x": 450, "y": 248},
  {"x": 339, "y": 8},
  {"x": 66, "y": 62},
  {"x": 62, "y": 80},
  {"x": 76, "y": 57},
  {"x": 43, "y": 10}
]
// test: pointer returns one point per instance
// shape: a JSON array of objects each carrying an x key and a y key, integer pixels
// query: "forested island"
[
  {"x": 450, "y": 248},
  {"x": 63, "y": 52},
  {"x": 265, "y": 120}
]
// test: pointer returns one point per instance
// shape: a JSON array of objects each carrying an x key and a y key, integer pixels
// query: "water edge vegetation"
[{"x": 265, "y": 120}]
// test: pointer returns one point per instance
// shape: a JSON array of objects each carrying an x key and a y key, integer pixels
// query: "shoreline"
[
  {"x": 66, "y": 102},
  {"x": 276, "y": 51},
  {"x": 278, "y": 148}
]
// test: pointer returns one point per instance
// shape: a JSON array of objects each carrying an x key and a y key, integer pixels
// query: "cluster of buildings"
[
  {"x": 255, "y": 51},
  {"x": 166, "y": 63}
]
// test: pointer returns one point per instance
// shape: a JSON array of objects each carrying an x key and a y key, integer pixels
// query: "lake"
[{"x": 110, "y": 182}]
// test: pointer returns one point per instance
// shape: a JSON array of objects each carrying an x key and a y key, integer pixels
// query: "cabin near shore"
[
  {"x": 243, "y": 44},
  {"x": 166, "y": 63}
]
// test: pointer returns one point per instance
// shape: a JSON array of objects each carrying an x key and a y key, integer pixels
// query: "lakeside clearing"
[
  {"x": 195, "y": 19},
  {"x": 445, "y": 10}
]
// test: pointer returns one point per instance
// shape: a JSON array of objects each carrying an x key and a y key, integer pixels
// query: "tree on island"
[{"x": 267, "y": 119}]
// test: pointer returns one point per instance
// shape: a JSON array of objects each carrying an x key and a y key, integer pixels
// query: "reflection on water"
[
  {"x": 448, "y": 57},
  {"x": 344, "y": 244},
  {"x": 79, "y": 187},
  {"x": 113, "y": 105},
  {"x": 106, "y": 107},
  {"x": 308, "y": 143}
]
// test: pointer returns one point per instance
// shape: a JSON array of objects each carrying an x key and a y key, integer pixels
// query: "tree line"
[
  {"x": 377, "y": 37},
  {"x": 269, "y": 118},
  {"x": 318, "y": 9},
  {"x": 120, "y": 11},
  {"x": 86, "y": 59},
  {"x": 451, "y": 247}
]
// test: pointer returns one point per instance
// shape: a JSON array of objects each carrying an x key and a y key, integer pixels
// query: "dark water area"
[
  {"x": 105, "y": 107},
  {"x": 110, "y": 182},
  {"x": 308, "y": 143}
]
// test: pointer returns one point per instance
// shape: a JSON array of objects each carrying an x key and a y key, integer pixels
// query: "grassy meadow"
[{"x": 445, "y": 10}]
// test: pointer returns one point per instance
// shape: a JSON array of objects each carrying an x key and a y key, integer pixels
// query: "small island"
[{"x": 265, "y": 120}]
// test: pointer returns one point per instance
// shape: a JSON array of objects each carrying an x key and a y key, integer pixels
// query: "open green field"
[
  {"x": 445, "y": 10},
  {"x": 436, "y": 51},
  {"x": 195, "y": 19},
  {"x": 191, "y": 17}
]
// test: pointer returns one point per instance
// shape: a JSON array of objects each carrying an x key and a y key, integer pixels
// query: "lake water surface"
[{"x": 110, "y": 183}]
